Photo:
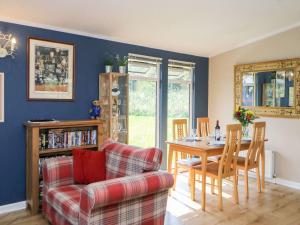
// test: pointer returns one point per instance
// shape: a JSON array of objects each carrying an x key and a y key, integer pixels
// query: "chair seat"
[
  {"x": 241, "y": 161},
  {"x": 216, "y": 158},
  {"x": 211, "y": 169},
  {"x": 189, "y": 162},
  {"x": 65, "y": 200}
]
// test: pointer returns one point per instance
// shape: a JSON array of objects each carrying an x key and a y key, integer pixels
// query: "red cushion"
[{"x": 88, "y": 166}]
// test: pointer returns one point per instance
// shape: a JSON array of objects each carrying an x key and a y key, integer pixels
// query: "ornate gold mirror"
[{"x": 270, "y": 89}]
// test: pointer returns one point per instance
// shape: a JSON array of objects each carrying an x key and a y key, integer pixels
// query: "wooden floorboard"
[{"x": 277, "y": 205}]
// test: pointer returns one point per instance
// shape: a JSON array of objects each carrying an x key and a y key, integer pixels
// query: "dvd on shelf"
[{"x": 61, "y": 138}]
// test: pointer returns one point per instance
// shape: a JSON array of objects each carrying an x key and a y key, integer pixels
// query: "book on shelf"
[{"x": 62, "y": 138}]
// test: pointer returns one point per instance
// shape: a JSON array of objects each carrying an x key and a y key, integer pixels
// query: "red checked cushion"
[
  {"x": 88, "y": 166},
  {"x": 125, "y": 160}
]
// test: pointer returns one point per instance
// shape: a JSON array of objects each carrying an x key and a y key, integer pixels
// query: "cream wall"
[{"x": 283, "y": 134}]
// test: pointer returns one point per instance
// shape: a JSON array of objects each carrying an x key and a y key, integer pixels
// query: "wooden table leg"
[
  {"x": 170, "y": 158},
  {"x": 263, "y": 169},
  {"x": 193, "y": 184},
  {"x": 203, "y": 165}
]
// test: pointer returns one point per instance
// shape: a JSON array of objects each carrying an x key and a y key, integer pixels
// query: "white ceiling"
[{"x": 198, "y": 27}]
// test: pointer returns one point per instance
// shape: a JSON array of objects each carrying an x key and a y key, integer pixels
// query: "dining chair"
[
  {"x": 204, "y": 131},
  {"x": 251, "y": 161},
  {"x": 203, "y": 127},
  {"x": 183, "y": 161},
  {"x": 225, "y": 167}
]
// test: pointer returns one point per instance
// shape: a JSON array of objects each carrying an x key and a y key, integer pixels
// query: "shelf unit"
[
  {"x": 35, "y": 152},
  {"x": 113, "y": 94}
]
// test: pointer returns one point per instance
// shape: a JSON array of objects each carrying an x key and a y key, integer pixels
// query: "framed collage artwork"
[{"x": 50, "y": 70}]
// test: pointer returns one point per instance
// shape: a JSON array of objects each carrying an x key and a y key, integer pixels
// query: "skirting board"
[
  {"x": 287, "y": 183},
  {"x": 283, "y": 182},
  {"x": 12, "y": 207}
]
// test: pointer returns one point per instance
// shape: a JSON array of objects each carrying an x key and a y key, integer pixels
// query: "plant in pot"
[
  {"x": 122, "y": 63},
  {"x": 108, "y": 63}
]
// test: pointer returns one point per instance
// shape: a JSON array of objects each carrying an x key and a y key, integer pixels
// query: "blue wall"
[{"x": 90, "y": 53}]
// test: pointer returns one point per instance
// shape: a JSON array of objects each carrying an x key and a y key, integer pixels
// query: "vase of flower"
[
  {"x": 245, "y": 130},
  {"x": 245, "y": 117}
]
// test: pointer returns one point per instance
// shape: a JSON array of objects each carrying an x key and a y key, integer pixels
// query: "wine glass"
[{"x": 193, "y": 134}]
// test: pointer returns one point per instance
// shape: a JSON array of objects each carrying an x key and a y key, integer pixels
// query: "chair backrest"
[
  {"x": 180, "y": 129},
  {"x": 227, "y": 164},
  {"x": 203, "y": 126},
  {"x": 257, "y": 143}
]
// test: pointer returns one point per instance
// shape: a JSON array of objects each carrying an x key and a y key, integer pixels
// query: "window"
[
  {"x": 180, "y": 92},
  {"x": 1, "y": 97},
  {"x": 144, "y": 77}
]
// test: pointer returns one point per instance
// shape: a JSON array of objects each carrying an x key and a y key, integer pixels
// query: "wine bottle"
[{"x": 217, "y": 132}]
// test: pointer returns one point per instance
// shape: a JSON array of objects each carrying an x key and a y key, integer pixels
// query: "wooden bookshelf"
[{"x": 35, "y": 152}]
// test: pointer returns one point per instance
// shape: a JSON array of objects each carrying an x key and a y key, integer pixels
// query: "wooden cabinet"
[
  {"x": 113, "y": 94},
  {"x": 55, "y": 138}
]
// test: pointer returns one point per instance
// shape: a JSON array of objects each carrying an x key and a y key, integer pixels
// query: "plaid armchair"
[{"x": 134, "y": 191}]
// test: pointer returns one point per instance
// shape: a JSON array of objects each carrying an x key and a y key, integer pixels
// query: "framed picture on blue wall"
[{"x": 50, "y": 70}]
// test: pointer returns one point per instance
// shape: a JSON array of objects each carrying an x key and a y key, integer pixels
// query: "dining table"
[{"x": 204, "y": 150}]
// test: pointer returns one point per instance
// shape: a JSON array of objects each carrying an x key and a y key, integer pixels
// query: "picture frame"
[
  {"x": 1, "y": 97},
  {"x": 51, "y": 70}
]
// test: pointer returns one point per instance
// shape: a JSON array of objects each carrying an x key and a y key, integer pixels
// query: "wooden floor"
[{"x": 278, "y": 205}]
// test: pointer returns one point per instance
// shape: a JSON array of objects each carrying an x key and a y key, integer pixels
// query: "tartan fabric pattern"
[
  {"x": 53, "y": 217},
  {"x": 146, "y": 210},
  {"x": 65, "y": 200},
  {"x": 125, "y": 188},
  {"x": 58, "y": 171},
  {"x": 125, "y": 160}
]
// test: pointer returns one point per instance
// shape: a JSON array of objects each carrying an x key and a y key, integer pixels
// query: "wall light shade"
[{"x": 7, "y": 45}]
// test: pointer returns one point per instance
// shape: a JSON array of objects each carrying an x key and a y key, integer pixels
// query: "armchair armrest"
[
  {"x": 58, "y": 171},
  {"x": 122, "y": 189}
]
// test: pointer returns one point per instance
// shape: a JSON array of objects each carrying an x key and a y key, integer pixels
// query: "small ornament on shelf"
[
  {"x": 95, "y": 110},
  {"x": 115, "y": 89}
]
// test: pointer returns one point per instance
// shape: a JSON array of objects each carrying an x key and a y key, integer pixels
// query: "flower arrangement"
[{"x": 245, "y": 117}]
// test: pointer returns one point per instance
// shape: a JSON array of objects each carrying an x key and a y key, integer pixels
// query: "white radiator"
[{"x": 269, "y": 164}]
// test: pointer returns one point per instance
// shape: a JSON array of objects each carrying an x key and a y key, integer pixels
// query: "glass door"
[{"x": 143, "y": 101}]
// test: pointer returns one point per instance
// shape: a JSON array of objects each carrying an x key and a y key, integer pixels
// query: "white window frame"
[
  {"x": 189, "y": 82},
  {"x": 157, "y": 79},
  {"x": 1, "y": 97}
]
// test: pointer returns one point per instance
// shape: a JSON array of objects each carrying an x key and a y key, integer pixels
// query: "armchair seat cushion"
[{"x": 66, "y": 200}]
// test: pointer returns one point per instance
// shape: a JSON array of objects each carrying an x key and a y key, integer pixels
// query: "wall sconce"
[{"x": 7, "y": 45}]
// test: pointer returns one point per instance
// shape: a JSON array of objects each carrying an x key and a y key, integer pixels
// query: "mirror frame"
[{"x": 267, "y": 111}]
